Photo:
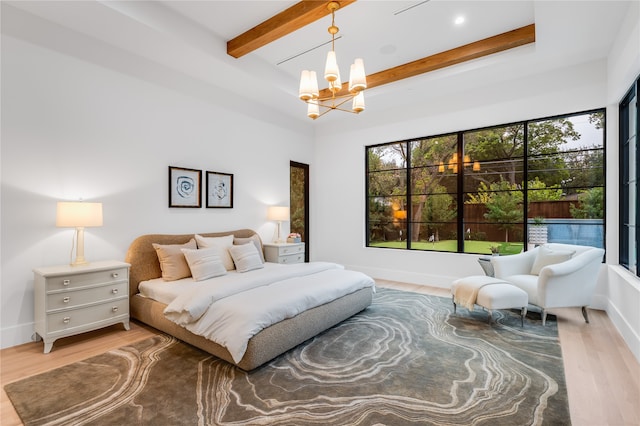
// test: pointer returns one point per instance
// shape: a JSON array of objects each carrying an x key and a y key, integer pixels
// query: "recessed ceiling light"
[{"x": 459, "y": 20}]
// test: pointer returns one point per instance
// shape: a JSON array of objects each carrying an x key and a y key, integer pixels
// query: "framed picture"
[
  {"x": 219, "y": 190},
  {"x": 185, "y": 188}
]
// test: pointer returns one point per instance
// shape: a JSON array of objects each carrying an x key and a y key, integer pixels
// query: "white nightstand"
[
  {"x": 73, "y": 299},
  {"x": 284, "y": 253}
]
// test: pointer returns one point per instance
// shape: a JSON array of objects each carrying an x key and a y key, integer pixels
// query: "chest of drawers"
[
  {"x": 75, "y": 299},
  {"x": 284, "y": 253}
]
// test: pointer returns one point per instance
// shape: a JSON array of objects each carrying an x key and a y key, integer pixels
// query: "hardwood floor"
[{"x": 603, "y": 377}]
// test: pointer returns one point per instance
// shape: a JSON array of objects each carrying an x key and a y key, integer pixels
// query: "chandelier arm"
[{"x": 332, "y": 105}]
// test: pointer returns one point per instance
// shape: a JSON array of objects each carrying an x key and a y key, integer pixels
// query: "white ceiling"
[{"x": 190, "y": 37}]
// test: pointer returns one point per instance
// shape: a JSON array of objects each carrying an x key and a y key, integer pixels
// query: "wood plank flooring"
[{"x": 602, "y": 375}]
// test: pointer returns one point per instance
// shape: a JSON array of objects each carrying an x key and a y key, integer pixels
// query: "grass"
[{"x": 477, "y": 247}]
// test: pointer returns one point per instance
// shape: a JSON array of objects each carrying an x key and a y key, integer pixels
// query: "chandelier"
[
  {"x": 452, "y": 164},
  {"x": 357, "y": 81}
]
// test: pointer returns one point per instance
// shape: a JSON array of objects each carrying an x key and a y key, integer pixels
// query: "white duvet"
[{"x": 231, "y": 309}]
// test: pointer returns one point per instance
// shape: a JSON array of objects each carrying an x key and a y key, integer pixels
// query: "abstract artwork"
[
  {"x": 219, "y": 190},
  {"x": 185, "y": 187}
]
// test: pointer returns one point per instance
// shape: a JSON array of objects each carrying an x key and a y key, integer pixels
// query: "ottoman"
[{"x": 490, "y": 293}]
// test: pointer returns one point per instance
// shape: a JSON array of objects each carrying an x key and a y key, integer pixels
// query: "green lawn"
[{"x": 480, "y": 247}]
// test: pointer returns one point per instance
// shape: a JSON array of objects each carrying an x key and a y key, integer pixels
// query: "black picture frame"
[
  {"x": 185, "y": 187},
  {"x": 219, "y": 190}
]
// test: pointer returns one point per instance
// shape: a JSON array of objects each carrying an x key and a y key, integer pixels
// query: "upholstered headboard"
[{"x": 144, "y": 260}]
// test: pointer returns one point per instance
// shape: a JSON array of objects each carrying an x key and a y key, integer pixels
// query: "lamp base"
[{"x": 81, "y": 262}]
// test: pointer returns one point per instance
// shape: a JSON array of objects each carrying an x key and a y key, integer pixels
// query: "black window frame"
[
  {"x": 625, "y": 138},
  {"x": 460, "y": 222}
]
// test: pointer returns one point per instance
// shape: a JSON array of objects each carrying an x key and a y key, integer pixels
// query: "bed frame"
[{"x": 264, "y": 346}]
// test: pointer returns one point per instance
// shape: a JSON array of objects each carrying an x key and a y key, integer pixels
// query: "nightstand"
[
  {"x": 73, "y": 299},
  {"x": 284, "y": 252}
]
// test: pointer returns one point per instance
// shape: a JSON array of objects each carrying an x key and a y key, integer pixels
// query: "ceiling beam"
[
  {"x": 285, "y": 22},
  {"x": 478, "y": 49}
]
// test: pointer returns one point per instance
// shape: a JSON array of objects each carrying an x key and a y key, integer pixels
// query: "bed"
[{"x": 270, "y": 341}]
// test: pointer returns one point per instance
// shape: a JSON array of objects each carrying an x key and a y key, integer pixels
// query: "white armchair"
[{"x": 548, "y": 283}]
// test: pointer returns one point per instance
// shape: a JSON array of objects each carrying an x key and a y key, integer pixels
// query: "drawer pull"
[
  {"x": 114, "y": 291},
  {"x": 114, "y": 309},
  {"x": 66, "y": 320},
  {"x": 65, "y": 300},
  {"x": 114, "y": 275},
  {"x": 66, "y": 282}
]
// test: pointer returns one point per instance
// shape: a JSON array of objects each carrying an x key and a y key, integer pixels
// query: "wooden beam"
[
  {"x": 478, "y": 49},
  {"x": 285, "y": 22}
]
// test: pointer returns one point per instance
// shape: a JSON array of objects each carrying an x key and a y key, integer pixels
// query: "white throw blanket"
[
  {"x": 466, "y": 293},
  {"x": 233, "y": 313}
]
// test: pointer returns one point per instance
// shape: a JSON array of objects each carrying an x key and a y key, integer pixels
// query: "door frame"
[{"x": 305, "y": 168}]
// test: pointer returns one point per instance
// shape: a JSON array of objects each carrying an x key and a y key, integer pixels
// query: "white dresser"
[
  {"x": 284, "y": 253},
  {"x": 74, "y": 299}
]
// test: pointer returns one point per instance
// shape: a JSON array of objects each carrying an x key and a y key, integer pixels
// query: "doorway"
[{"x": 299, "y": 202}]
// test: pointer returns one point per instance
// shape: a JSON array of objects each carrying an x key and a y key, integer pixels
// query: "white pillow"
[
  {"x": 225, "y": 242},
  {"x": 546, "y": 257},
  {"x": 205, "y": 263},
  {"x": 255, "y": 239},
  {"x": 246, "y": 257},
  {"x": 172, "y": 262}
]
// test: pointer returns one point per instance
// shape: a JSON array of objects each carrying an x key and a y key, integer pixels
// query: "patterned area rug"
[{"x": 407, "y": 359}]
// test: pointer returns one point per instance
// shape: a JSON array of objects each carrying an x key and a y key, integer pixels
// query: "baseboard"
[
  {"x": 631, "y": 338},
  {"x": 16, "y": 335},
  {"x": 622, "y": 306}
]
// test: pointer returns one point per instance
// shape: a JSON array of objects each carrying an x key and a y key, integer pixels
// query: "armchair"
[{"x": 553, "y": 275}]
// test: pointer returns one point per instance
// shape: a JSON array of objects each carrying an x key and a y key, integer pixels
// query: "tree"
[
  {"x": 591, "y": 204},
  {"x": 426, "y": 180},
  {"x": 539, "y": 191},
  {"x": 503, "y": 148},
  {"x": 440, "y": 210},
  {"x": 504, "y": 206},
  {"x": 297, "y": 194},
  {"x": 387, "y": 187}
]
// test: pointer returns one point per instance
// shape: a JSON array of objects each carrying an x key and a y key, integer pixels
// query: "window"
[
  {"x": 629, "y": 189},
  {"x": 500, "y": 188}
]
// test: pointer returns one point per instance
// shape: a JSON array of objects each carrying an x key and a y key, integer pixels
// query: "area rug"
[{"x": 405, "y": 360}]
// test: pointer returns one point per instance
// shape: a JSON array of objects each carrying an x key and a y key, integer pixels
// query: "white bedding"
[{"x": 231, "y": 309}]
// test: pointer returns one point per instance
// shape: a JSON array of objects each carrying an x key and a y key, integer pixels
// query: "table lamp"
[
  {"x": 79, "y": 215},
  {"x": 278, "y": 214}
]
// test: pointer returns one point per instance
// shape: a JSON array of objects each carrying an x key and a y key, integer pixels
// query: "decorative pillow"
[
  {"x": 255, "y": 239},
  {"x": 172, "y": 262},
  {"x": 546, "y": 257},
  {"x": 205, "y": 263},
  {"x": 226, "y": 242},
  {"x": 246, "y": 257}
]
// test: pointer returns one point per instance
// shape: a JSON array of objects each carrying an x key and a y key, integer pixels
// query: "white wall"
[{"x": 105, "y": 126}]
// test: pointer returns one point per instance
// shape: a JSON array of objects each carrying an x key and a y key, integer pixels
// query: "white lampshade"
[
  {"x": 358, "y": 102},
  {"x": 357, "y": 76},
  {"x": 331, "y": 71},
  {"x": 278, "y": 213},
  {"x": 308, "y": 85},
  {"x": 336, "y": 85},
  {"x": 313, "y": 110},
  {"x": 305, "y": 86},
  {"x": 70, "y": 214}
]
